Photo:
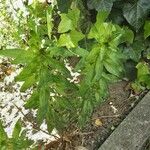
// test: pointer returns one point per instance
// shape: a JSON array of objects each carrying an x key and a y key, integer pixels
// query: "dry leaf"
[{"x": 98, "y": 122}]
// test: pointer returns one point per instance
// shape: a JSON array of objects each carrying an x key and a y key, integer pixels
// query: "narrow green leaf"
[
  {"x": 94, "y": 53},
  {"x": 80, "y": 51},
  {"x": 19, "y": 55},
  {"x": 27, "y": 71},
  {"x": 3, "y": 135},
  {"x": 49, "y": 21},
  {"x": 101, "y": 16},
  {"x": 28, "y": 83},
  {"x": 113, "y": 68},
  {"x": 44, "y": 95},
  {"x": 98, "y": 69},
  {"x": 17, "y": 130},
  {"x": 13, "y": 53},
  {"x": 103, "y": 85},
  {"x": 147, "y": 29},
  {"x": 33, "y": 101}
]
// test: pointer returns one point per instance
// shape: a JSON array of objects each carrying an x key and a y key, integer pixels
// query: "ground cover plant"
[{"x": 103, "y": 40}]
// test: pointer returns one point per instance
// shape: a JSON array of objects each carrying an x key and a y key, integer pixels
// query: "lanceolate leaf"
[
  {"x": 135, "y": 12},
  {"x": 98, "y": 69},
  {"x": 3, "y": 135},
  {"x": 49, "y": 21},
  {"x": 147, "y": 29},
  {"x": 17, "y": 130},
  {"x": 80, "y": 52},
  {"x": 12, "y": 52},
  {"x": 33, "y": 101},
  {"x": 19, "y": 55},
  {"x": 101, "y": 17},
  {"x": 28, "y": 83},
  {"x": 28, "y": 71},
  {"x": 113, "y": 67},
  {"x": 44, "y": 96}
]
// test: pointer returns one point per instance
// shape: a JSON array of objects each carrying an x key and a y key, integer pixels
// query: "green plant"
[
  {"x": 18, "y": 140},
  {"x": 103, "y": 40}
]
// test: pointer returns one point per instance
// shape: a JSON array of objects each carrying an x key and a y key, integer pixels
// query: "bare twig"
[{"x": 111, "y": 116}]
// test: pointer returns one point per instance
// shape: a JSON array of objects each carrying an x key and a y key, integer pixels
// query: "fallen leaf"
[{"x": 98, "y": 122}]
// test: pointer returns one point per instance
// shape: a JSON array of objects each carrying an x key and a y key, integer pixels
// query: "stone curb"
[{"x": 134, "y": 130}]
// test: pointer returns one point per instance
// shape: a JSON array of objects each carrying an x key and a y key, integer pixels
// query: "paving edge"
[{"x": 133, "y": 131}]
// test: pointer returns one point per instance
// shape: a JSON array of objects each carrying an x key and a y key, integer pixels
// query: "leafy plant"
[
  {"x": 102, "y": 45},
  {"x": 17, "y": 141}
]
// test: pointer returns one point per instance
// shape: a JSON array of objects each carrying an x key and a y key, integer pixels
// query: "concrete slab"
[{"x": 134, "y": 130}]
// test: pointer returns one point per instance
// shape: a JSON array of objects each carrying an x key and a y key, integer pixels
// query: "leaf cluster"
[{"x": 110, "y": 40}]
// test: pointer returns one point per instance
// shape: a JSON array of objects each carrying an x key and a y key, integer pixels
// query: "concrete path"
[{"x": 132, "y": 133}]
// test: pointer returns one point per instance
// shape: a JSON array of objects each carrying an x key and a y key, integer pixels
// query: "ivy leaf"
[
  {"x": 65, "y": 40},
  {"x": 143, "y": 70},
  {"x": 64, "y": 5},
  {"x": 74, "y": 15},
  {"x": 135, "y": 12},
  {"x": 70, "y": 40},
  {"x": 128, "y": 35},
  {"x": 69, "y": 21},
  {"x": 101, "y": 5},
  {"x": 76, "y": 37},
  {"x": 147, "y": 29},
  {"x": 65, "y": 24}
]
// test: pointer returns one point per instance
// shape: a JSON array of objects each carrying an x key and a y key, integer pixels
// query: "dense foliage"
[{"x": 107, "y": 39}]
